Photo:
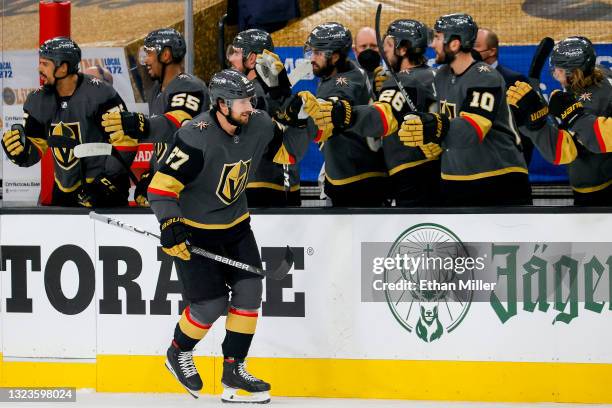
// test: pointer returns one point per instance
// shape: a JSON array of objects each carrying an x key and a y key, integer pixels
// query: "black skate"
[
  {"x": 236, "y": 377},
  {"x": 180, "y": 364}
]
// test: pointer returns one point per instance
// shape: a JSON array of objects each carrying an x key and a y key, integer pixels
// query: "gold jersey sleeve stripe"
[
  {"x": 566, "y": 151},
  {"x": 481, "y": 124},
  {"x": 40, "y": 144},
  {"x": 163, "y": 183},
  {"x": 177, "y": 117},
  {"x": 283, "y": 156},
  {"x": 603, "y": 131},
  {"x": 389, "y": 122},
  {"x": 477, "y": 176}
]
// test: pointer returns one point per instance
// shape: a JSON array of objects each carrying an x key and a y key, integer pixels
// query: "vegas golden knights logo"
[
  {"x": 64, "y": 156},
  {"x": 448, "y": 109},
  {"x": 233, "y": 181},
  {"x": 160, "y": 150}
]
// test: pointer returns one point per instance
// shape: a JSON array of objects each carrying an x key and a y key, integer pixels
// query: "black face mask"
[{"x": 369, "y": 60}]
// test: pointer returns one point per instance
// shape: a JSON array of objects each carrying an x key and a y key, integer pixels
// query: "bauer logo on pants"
[{"x": 233, "y": 181}]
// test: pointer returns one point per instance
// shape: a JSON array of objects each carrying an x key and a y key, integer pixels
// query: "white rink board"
[{"x": 336, "y": 323}]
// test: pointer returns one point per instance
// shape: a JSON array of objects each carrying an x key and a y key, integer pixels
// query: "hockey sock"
[
  {"x": 240, "y": 328},
  {"x": 188, "y": 331}
]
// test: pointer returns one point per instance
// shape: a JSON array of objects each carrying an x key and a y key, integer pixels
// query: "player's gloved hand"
[
  {"x": 140, "y": 192},
  {"x": 122, "y": 124},
  {"x": 292, "y": 112},
  {"x": 380, "y": 76},
  {"x": 174, "y": 238},
  {"x": 103, "y": 191},
  {"x": 16, "y": 145},
  {"x": 527, "y": 105},
  {"x": 268, "y": 66},
  {"x": 565, "y": 107},
  {"x": 420, "y": 129},
  {"x": 320, "y": 111},
  {"x": 431, "y": 150}
]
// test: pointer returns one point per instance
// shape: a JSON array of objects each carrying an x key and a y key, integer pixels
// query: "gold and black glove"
[
  {"x": 104, "y": 191},
  {"x": 16, "y": 145},
  {"x": 420, "y": 129},
  {"x": 565, "y": 107},
  {"x": 320, "y": 112},
  {"x": 527, "y": 105},
  {"x": 289, "y": 112},
  {"x": 380, "y": 77},
  {"x": 140, "y": 192},
  {"x": 122, "y": 124},
  {"x": 175, "y": 238}
]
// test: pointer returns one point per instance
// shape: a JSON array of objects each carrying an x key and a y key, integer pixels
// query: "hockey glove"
[
  {"x": 320, "y": 111},
  {"x": 431, "y": 150},
  {"x": 174, "y": 238},
  {"x": 140, "y": 192},
  {"x": 16, "y": 145},
  {"x": 292, "y": 112},
  {"x": 565, "y": 107},
  {"x": 380, "y": 76},
  {"x": 103, "y": 191},
  {"x": 268, "y": 67},
  {"x": 527, "y": 105},
  {"x": 122, "y": 124},
  {"x": 420, "y": 129}
]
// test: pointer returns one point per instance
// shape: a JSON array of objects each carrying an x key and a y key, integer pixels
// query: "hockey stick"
[
  {"x": 103, "y": 149},
  {"x": 540, "y": 56},
  {"x": 277, "y": 274},
  {"x": 381, "y": 49}
]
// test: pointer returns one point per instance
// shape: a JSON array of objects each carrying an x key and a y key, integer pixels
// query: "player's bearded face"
[
  {"x": 320, "y": 62},
  {"x": 443, "y": 53},
  {"x": 234, "y": 57},
  {"x": 242, "y": 109},
  {"x": 46, "y": 70},
  {"x": 389, "y": 49}
]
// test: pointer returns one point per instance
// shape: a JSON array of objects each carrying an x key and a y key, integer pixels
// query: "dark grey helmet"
[
  {"x": 458, "y": 25},
  {"x": 230, "y": 84},
  {"x": 414, "y": 32},
  {"x": 60, "y": 50},
  {"x": 330, "y": 37},
  {"x": 572, "y": 53},
  {"x": 167, "y": 37},
  {"x": 253, "y": 40}
]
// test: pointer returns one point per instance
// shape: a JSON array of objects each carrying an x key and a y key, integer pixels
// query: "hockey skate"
[
  {"x": 180, "y": 364},
  {"x": 236, "y": 378}
]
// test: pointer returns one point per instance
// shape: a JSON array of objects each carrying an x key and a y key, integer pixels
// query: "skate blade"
[
  {"x": 234, "y": 395},
  {"x": 191, "y": 392}
]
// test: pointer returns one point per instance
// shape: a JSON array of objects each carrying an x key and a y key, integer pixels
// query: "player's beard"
[
  {"x": 447, "y": 58},
  {"x": 323, "y": 72},
  {"x": 242, "y": 119}
]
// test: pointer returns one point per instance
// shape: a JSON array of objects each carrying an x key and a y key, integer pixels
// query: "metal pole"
[{"x": 189, "y": 36}]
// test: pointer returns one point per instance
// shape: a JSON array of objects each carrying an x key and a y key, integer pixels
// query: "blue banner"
[{"x": 516, "y": 57}]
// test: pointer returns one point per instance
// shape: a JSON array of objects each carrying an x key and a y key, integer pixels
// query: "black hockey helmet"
[
  {"x": 572, "y": 53},
  {"x": 253, "y": 40},
  {"x": 230, "y": 84},
  {"x": 166, "y": 37},
  {"x": 458, "y": 25},
  {"x": 414, "y": 32},
  {"x": 330, "y": 37},
  {"x": 60, "y": 50}
]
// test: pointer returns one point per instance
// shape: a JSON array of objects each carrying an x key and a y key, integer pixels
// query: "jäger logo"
[
  {"x": 429, "y": 312},
  {"x": 65, "y": 155},
  {"x": 233, "y": 181}
]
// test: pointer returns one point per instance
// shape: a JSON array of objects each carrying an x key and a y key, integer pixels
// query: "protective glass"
[
  {"x": 243, "y": 103},
  {"x": 309, "y": 52},
  {"x": 142, "y": 54}
]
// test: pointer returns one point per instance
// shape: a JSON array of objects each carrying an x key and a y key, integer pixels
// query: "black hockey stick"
[
  {"x": 540, "y": 56},
  {"x": 381, "y": 49},
  {"x": 277, "y": 274},
  {"x": 103, "y": 149}
]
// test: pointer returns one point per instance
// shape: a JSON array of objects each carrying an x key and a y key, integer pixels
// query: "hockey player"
[
  {"x": 481, "y": 163},
  {"x": 175, "y": 98},
  {"x": 252, "y": 53},
  {"x": 355, "y": 173},
  {"x": 582, "y": 130},
  {"x": 64, "y": 112},
  {"x": 197, "y": 196},
  {"x": 414, "y": 171}
]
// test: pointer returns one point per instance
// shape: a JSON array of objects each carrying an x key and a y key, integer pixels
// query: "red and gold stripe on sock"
[
  {"x": 241, "y": 321},
  {"x": 192, "y": 327}
]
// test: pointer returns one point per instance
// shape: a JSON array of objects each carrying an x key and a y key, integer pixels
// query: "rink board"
[{"x": 75, "y": 323}]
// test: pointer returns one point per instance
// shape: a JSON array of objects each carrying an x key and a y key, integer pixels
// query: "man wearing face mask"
[
  {"x": 481, "y": 163},
  {"x": 197, "y": 196},
  {"x": 414, "y": 172},
  {"x": 64, "y": 112},
  {"x": 367, "y": 54},
  {"x": 271, "y": 184},
  {"x": 175, "y": 98},
  {"x": 354, "y": 174}
]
